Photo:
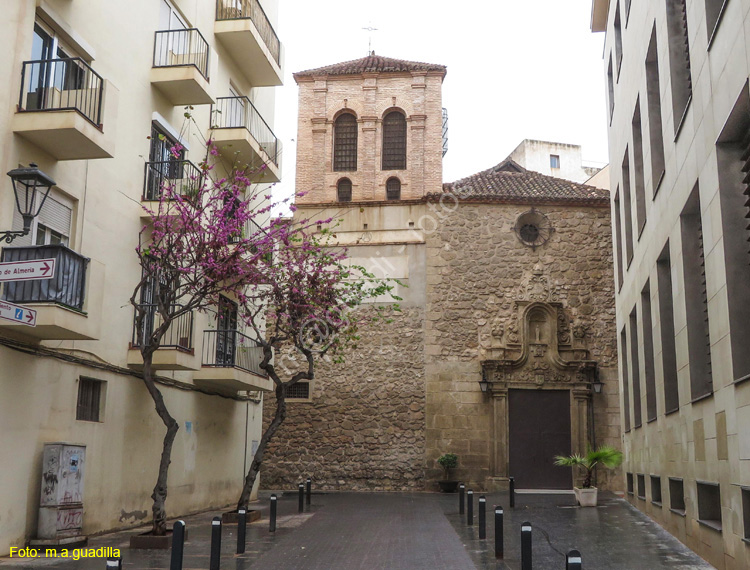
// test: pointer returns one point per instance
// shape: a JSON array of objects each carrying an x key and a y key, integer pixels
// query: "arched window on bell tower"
[
  {"x": 393, "y": 189},
  {"x": 394, "y": 141},
  {"x": 345, "y": 143},
  {"x": 344, "y": 190}
]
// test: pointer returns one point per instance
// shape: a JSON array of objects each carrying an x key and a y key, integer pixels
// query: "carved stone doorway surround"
[{"x": 535, "y": 350}]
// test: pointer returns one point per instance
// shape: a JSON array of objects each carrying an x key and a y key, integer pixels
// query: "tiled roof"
[
  {"x": 510, "y": 182},
  {"x": 370, "y": 64}
]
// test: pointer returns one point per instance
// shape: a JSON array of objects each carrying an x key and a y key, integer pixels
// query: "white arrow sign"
[
  {"x": 26, "y": 270},
  {"x": 17, "y": 313}
]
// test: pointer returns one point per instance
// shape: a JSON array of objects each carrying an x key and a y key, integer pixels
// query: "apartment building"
[
  {"x": 96, "y": 94},
  {"x": 678, "y": 116}
]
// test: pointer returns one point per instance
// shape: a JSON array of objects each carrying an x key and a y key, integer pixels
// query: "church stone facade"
[{"x": 507, "y": 277}]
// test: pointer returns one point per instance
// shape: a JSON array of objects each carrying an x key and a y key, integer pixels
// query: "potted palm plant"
[
  {"x": 605, "y": 455},
  {"x": 448, "y": 461}
]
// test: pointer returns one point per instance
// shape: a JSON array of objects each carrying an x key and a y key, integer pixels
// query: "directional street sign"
[
  {"x": 26, "y": 270},
  {"x": 18, "y": 314}
]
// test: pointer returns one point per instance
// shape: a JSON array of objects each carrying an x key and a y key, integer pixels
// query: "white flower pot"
[{"x": 586, "y": 497}]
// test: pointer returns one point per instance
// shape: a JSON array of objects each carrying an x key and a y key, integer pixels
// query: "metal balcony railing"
[
  {"x": 67, "y": 287},
  {"x": 251, "y": 9},
  {"x": 178, "y": 335},
  {"x": 239, "y": 112},
  {"x": 182, "y": 175},
  {"x": 180, "y": 48},
  {"x": 67, "y": 84},
  {"x": 232, "y": 349}
]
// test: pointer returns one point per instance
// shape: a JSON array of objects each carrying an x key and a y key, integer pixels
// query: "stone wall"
[
  {"x": 364, "y": 426},
  {"x": 476, "y": 269}
]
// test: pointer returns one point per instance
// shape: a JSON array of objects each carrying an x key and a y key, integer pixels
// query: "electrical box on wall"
[{"x": 61, "y": 502}]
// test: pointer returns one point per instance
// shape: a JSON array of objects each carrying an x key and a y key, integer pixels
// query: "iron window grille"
[
  {"x": 393, "y": 189},
  {"x": 89, "y": 399},
  {"x": 298, "y": 391},
  {"x": 345, "y": 134},
  {"x": 394, "y": 141},
  {"x": 344, "y": 190}
]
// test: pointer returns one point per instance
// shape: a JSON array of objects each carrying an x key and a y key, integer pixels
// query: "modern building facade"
[
  {"x": 507, "y": 317},
  {"x": 560, "y": 160},
  {"x": 97, "y": 96},
  {"x": 678, "y": 113}
]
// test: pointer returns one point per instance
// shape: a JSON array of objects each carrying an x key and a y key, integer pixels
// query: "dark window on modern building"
[
  {"x": 666, "y": 326},
  {"x": 618, "y": 39},
  {"x": 298, "y": 391},
  {"x": 618, "y": 239},
  {"x": 393, "y": 189},
  {"x": 629, "y": 482},
  {"x": 733, "y": 156},
  {"x": 648, "y": 353},
  {"x": 656, "y": 136},
  {"x": 640, "y": 177},
  {"x": 344, "y": 190},
  {"x": 641, "y": 478},
  {"x": 696, "y": 301},
  {"x": 636, "y": 368},
  {"x": 625, "y": 379},
  {"x": 554, "y": 161},
  {"x": 656, "y": 490},
  {"x": 627, "y": 207},
  {"x": 345, "y": 143},
  {"x": 394, "y": 141},
  {"x": 714, "y": 11},
  {"x": 89, "y": 399},
  {"x": 679, "y": 59},
  {"x": 709, "y": 505},
  {"x": 676, "y": 496},
  {"x": 611, "y": 89},
  {"x": 746, "y": 512}
]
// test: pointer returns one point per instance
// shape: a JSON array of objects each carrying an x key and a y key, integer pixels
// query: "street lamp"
[
  {"x": 483, "y": 383},
  {"x": 597, "y": 384},
  {"x": 31, "y": 187}
]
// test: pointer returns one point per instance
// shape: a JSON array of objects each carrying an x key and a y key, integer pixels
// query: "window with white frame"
[{"x": 53, "y": 224}]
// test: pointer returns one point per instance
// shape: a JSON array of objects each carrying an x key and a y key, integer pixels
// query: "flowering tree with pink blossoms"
[
  {"x": 197, "y": 246},
  {"x": 308, "y": 310}
]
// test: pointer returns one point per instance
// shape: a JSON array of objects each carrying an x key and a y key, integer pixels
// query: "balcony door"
[
  {"x": 163, "y": 164},
  {"x": 226, "y": 332},
  {"x": 53, "y": 73}
]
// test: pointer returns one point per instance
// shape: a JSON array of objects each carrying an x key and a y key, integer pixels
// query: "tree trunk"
[
  {"x": 587, "y": 479},
  {"x": 252, "y": 474},
  {"x": 159, "y": 495}
]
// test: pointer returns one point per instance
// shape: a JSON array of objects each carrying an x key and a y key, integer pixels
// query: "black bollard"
[
  {"x": 241, "y": 530},
  {"x": 482, "y": 518},
  {"x": 178, "y": 545},
  {"x": 512, "y": 492},
  {"x": 573, "y": 561},
  {"x": 301, "y": 489},
  {"x": 498, "y": 531},
  {"x": 461, "y": 489},
  {"x": 215, "y": 561},
  {"x": 114, "y": 563},
  {"x": 309, "y": 490},
  {"x": 272, "y": 517},
  {"x": 526, "y": 546},
  {"x": 470, "y": 507}
]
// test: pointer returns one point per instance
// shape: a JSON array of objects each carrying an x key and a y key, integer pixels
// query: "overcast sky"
[{"x": 516, "y": 70}]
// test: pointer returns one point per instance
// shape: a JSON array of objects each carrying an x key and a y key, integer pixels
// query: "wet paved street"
[{"x": 414, "y": 531}]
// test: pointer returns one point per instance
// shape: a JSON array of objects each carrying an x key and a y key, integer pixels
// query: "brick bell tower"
[{"x": 370, "y": 130}]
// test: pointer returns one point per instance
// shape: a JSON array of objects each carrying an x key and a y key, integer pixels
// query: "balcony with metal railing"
[
  {"x": 181, "y": 66},
  {"x": 182, "y": 175},
  {"x": 61, "y": 109},
  {"x": 231, "y": 362},
  {"x": 242, "y": 134},
  {"x": 60, "y": 301},
  {"x": 175, "y": 350},
  {"x": 243, "y": 27}
]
